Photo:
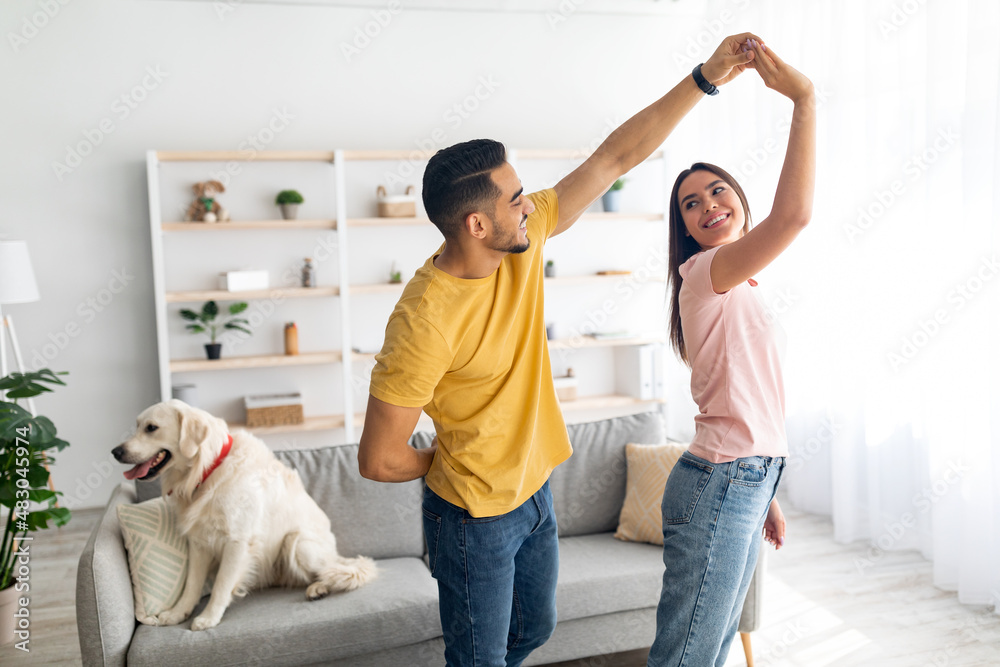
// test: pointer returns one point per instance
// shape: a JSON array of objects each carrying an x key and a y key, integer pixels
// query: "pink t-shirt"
[{"x": 735, "y": 368}]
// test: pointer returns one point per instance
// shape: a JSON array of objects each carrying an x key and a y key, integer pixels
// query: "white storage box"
[{"x": 241, "y": 281}]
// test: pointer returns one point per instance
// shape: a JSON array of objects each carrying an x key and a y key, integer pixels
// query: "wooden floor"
[{"x": 820, "y": 608}]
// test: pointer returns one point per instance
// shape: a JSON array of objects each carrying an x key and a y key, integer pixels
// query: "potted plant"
[
  {"x": 550, "y": 269},
  {"x": 395, "y": 275},
  {"x": 613, "y": 195},
  {"x": 204, "y": 322},
  {"x": 288, "y": 201},
  {"x": 25, "y": 490}
]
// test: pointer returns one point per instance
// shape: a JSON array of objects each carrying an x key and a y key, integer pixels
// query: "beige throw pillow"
[
  {"x": 157, "y": 556},
  {"x": 648, "y": 467}
]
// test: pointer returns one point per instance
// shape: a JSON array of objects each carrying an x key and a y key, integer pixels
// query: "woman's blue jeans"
[
  {"x": 496, "y": 579},
  {"x": 713, "y": 517}
]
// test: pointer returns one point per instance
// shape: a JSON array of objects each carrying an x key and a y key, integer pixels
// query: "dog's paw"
[
  {"x": 170, "y": 617},
  {"x": 317, "y": 590},
  {"x": 204, "y": 622}
]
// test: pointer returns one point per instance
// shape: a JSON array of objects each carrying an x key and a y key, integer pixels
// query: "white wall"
[{"x": 219, "y": 80}]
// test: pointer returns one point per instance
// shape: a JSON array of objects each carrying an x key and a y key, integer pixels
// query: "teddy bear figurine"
[{"x": 205, "y": 208}]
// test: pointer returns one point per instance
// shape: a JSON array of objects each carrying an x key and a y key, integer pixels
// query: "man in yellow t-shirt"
[{"x": 466, "y": 343}]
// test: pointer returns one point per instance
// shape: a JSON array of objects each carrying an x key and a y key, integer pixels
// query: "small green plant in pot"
[
  {"x": 25, "y": 491},
  {"x": 612, "y": 198},
  {"x": 288, "y": 201},
  {"x": 205, "y": 322}
]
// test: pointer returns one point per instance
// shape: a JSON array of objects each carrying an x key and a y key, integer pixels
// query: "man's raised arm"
[{"x": 643, "y": 133}]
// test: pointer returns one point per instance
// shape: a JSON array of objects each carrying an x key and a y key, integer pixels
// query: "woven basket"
[
  {"x": 397, "y": 206},
  {"x": 274, "y": 410}
]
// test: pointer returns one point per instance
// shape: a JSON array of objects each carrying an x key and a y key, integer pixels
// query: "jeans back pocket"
[
  {"x": 684, "y": 487},
  {"x": 432, "y": 534}
]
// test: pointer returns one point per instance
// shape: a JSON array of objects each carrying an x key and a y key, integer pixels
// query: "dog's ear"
[
  {"x": 195, "y": 431},
  {"x": 217, "y": 185}
]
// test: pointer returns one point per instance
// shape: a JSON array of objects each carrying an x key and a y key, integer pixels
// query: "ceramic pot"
[
  {"x": 213, "y": 350},
  {"x": 289, "y": 211},
  {"x": 611, "y": 200}
]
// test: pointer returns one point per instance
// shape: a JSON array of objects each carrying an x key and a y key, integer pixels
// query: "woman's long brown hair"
[{"x": 684, "y": 247}]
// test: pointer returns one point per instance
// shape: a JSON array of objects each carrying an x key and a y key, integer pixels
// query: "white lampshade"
[{"x": 17, "y": 279}]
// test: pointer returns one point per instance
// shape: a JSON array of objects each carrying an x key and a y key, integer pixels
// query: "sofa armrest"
[
  {"x": 105, "y": 608},
  {"x": 750, "y": 619}
]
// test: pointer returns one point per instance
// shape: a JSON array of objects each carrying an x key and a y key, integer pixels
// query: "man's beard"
[{"x": 508, "y": 243}]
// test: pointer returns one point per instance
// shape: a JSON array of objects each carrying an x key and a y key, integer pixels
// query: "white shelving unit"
[{"x": 336, "y": 300}]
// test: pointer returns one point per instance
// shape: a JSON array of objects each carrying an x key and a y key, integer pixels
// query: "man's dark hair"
[{"x": 457, "y": 182}]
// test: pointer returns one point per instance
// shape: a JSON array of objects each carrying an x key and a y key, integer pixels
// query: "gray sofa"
[{"x": 606, "y": 597}]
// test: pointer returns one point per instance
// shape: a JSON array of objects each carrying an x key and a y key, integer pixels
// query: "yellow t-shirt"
[{"x": 473, "y": 354}]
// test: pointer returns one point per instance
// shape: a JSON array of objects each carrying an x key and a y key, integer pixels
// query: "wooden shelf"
[
  {"x": 322, "y": 423},
  {"x": 377, "y": 288},
  {"x": 387, "y": 222},
  {"x": 225, "y": 295},
  {"x": 258, "y": 361},
  {"x": 247, "y": 224},
  {"x": 414, "y": 154},
  {"x": 564, "y": 154},
  {"x": 244, "y": 156},
  {"x": 588, "y": 403},
  {"x": 594, "y": 278},
  {"x": 617, "y": 215},
  {"x": 581, "y": 342}
]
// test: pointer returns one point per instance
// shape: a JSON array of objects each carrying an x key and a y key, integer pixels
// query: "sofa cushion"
[
  {"x": 601, "y": 575},
  {"x": 641, "y": 519},
  {"x": 278, "y": 626},
  {"x": 589, "y": 488},
  {"x": 157, "y": 556},
  {"x": 368, "y": 518}
]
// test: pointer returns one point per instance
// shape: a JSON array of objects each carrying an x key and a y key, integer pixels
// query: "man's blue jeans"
[
  {"x": 713, "y": 516},
  {"x": 496, "y": 579}
]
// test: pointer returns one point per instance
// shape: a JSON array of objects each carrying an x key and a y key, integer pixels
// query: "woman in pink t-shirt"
[{"x": 719, "y": 501}]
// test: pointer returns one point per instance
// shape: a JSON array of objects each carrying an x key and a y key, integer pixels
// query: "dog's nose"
[{"x": 118, "y": 452}]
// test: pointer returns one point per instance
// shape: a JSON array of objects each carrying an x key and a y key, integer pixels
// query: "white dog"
[{"x": 241, "y": 510}]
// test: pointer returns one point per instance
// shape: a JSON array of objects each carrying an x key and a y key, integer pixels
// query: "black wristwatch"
[{"x": 703, "y": 83}]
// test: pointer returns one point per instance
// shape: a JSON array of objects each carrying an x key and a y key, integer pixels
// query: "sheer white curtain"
[{"x": 891, "y": 298}]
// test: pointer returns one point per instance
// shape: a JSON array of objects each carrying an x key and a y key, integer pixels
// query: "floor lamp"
[{"x": 17, "y": 285}]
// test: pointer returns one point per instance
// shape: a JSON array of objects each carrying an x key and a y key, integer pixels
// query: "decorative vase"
[
  {"x": 550, "y": 270},
  {"x": 213, "y": 350},
  {"x": 611, "y": 200},
  {"x": 289, "y": 211},
  {"x": 8, "y": 605}
]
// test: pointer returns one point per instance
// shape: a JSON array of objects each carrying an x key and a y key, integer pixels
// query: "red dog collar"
[{"x": 225, "y": 452}]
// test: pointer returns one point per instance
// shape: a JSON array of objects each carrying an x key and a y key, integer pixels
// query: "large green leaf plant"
[{"x": 25, "y": 495}]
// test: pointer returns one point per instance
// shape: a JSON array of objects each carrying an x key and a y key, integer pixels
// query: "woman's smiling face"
[{"x": 712, "y": 211}]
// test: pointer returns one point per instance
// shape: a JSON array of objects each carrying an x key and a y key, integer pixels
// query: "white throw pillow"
[{"x": 157, "y": 556}]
